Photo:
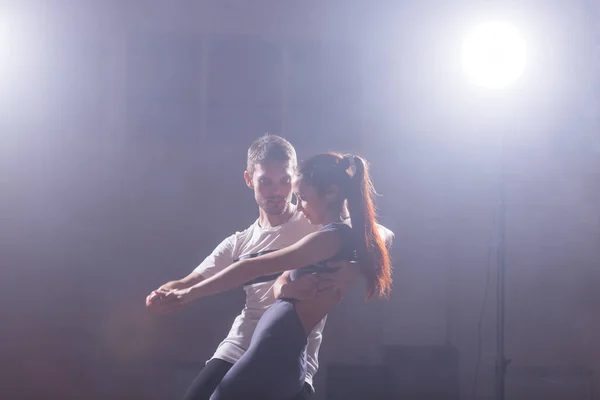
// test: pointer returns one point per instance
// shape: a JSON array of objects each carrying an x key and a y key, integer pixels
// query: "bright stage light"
[{"x": 494, "y": 55}]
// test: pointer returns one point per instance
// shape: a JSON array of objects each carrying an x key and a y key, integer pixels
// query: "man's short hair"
[{"x": 270, "y": 148}]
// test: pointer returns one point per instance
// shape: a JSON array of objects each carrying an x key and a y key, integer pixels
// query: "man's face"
[{"x": 272, "y": 184}]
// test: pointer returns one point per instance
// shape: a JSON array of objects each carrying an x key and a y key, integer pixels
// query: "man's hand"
[
  {"x": 155, "y": 295},
  {"x": 305, "y": 288},
  {"x": 157, "y": 300},
  {"x": 347, "y": 273},
  {"x": 164, "y": 301}
]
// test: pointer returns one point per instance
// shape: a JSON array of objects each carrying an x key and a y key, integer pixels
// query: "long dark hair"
[{"x": 351, "y": 174}]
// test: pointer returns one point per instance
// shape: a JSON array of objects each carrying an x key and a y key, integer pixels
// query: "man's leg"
[
  {"x": 207, "y": 380},
  {"x": 306, "y": 393}
]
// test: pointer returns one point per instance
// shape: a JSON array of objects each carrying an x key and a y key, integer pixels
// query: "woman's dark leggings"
[
  {"x": 210, "y": 376},
  {"x": 274, "y": 366}
]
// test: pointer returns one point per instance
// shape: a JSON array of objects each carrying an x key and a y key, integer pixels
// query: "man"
[{"x": 270, "y": 167}]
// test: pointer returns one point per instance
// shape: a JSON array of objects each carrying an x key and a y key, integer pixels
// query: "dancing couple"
[{"x": 295, "y": 264}]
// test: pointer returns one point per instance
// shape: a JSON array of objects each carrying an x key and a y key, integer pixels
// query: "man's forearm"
[
  {"x": 174, "y": 285},
  {"x": 184, "y": 283},
  {"x": 283, "y": 280}
]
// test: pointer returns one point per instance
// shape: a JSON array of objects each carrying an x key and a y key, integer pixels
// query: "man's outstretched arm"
[
  {"x": 220, "y": 258},
  {"x": 183, "y": 283}
]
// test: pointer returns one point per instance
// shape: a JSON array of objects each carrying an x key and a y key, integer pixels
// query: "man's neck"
[{"x": 269, "y": 220}]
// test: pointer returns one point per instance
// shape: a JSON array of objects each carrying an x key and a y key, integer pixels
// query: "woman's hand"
[
  {"x": 164, "y": 301},
  {"x": 154, "y": 297},
  {"x": 182, "y": 296}
]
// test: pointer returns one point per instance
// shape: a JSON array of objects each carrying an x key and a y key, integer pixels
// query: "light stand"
[
  {"x": 494, "y": 56},
  {"x": 501, "y": 361}
]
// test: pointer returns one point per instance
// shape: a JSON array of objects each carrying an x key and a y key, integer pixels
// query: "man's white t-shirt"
[{"x": 259, "y": 296}]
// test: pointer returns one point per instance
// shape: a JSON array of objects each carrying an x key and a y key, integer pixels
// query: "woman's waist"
[
  {"x": 311, "y": 269},
  {"x": 312, "y": 311}
]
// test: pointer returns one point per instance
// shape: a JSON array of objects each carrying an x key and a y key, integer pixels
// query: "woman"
[{"x": 275, "y": 363}]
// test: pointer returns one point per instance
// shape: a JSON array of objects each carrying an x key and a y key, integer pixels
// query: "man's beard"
[{"x": 275, "y": 206}]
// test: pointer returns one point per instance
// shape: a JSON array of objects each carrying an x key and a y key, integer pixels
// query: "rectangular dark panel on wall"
[
  {"x": 164, "y": 85},
  {"x": 423, "y": 372},
  {"x": 244, "y": 88},
  {"x": 549, "y": 383},
  {"x": 342, "y": 96},
  {"x": 303, "y": 94},
  {"x": 357, "y": 382},
  {"x": 323, "y": 96}
]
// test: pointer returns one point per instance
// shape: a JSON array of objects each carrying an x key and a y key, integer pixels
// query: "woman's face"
[{"x": 312, "y": 205}]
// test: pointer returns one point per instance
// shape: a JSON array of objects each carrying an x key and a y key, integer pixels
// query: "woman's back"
[
  {"x": 347, "y": 251},
  {"x": 313, "y": 310}
]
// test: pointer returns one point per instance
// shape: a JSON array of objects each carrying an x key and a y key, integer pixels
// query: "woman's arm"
[{"x": 313, "y": 248}]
